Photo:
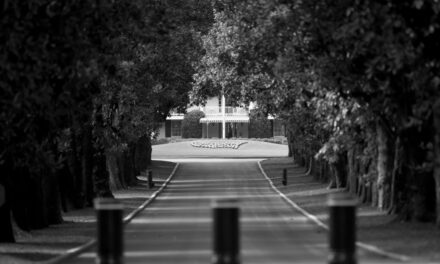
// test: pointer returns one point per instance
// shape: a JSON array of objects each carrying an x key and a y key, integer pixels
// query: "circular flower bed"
[{"x": 218, "y": 144}]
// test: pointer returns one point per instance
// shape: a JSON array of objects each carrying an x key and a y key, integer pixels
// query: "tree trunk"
[
  {"x": 395, "y": 174},
  {"x": 87, "y": 164},
  {"x": 36, "y": 196},
  {"x": 101, "y": 185},
  {"x": 129, "y": 164},
  {"x": 351, "y": 171},
  {"x": 417, "y": 186},
  {"x": 326, "y": 174},
  {"x": 339, "y": 171},
  {"x": 310, "y": 165},
  {"x": 120, "y": 162},
  {"x": 374, "y": 194},
  {"x": 20, "y": 190},
  {"x": 6, "y": 232},
  {"x": 53, "y": 200},
  {"x": 114, "y": 171},
  {"x": 383, "y": 167},
  {"x": 101, "y": 178},
  {"x": 368, "y": 190},
  {"x": 142, "y": 154},
  {"x": 290, "y": 144},
  {"x": 436, "y": 111},
  {"x": 314, "y": 167},
  {"x": 78, "y": 194}
]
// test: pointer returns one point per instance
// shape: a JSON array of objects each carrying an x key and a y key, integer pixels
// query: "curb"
[
  {"x": 318, "y": 222},
  {"x": 80, "y": 249}
]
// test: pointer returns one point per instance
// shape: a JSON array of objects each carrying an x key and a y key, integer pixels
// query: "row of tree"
[
  {"x": 356, "y": 82},
  {"x": 84, "y": 85}
]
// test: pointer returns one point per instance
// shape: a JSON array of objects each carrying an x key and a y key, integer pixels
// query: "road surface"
[{"x": 177, "y": 226}]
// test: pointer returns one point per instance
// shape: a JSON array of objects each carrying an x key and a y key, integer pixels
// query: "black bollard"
[
  {"x": 150, "y": 179},
  {"x": 226, "y": 232},
  {"x": 284, "y": 177},
  {"x": 109, "y": 231},
  {"x": 342, "y": 229}
]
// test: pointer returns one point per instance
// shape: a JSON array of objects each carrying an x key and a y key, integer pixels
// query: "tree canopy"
[
  {"x": 83, "y": 82},
  {"x": 352, "y": 80}
]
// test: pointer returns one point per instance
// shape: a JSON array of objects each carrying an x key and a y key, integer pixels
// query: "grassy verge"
[
  {"x": 79, "y": 225},
  {"x": 420, "y": 241}
]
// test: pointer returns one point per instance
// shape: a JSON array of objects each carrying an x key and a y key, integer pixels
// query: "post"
[
  {"x": 342, "y": 229},
  {"x": 150, "y": 179},
  {"x": 223, "y": 117},
  {"x": 207, "y": 129},
  {"x": 226, "y": 232},
  {"x": 109, "y": 231},
  {"x": 284, "y": 177}
]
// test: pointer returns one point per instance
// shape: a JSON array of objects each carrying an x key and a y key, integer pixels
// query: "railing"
[
  {"x": 229, "y": 111},
  {"x": 174, "y": 113}
]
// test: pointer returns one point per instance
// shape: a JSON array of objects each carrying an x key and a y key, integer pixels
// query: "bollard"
[
  {"x": 226, "y": 232},
  {"x": 109, "y": 231},
  {"x": 150, "y": 179},
  {"x": 342, "y": 229},
  {"x": 284, "y": 177}
]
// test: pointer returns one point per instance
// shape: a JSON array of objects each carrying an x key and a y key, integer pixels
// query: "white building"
[{"x": 234, "y": 120}]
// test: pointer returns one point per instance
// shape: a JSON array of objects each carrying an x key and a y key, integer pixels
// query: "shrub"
[{"x": 191, "y": 127}]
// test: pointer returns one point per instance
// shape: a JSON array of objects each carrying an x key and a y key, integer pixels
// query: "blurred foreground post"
[
  {"x": 342, "y": 229},
  {"x": 150, "y": 179},
  {"x": 109, "y": 231},
  {"x": 284, "y": 177},
  {"x": 226, "y": 229}
]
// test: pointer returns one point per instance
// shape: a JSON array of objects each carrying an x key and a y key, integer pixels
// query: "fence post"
[
  {"x": 109, "y": 231},
  {"x": 342, "y": 229},
  {"x": 284, "y": 177},
  {"x": 150, "y": 179},
  {"x": 226, "y": 231}
]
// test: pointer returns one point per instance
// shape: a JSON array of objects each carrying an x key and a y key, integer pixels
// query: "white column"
[{"x": 224, "y": 117}]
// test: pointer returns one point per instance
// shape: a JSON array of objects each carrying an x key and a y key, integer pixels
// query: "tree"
[
  {"x": 191, "y": 127},
  {"x": 352, "y": 71},
  {"x": 82, "y": 80},
  {"x": 259, "y": 125}
]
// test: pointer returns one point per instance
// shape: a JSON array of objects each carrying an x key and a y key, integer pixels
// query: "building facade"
[{"x": 220, "y": 121}]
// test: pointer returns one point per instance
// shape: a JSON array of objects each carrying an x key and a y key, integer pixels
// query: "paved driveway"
[{"x": 177, "y": 226}]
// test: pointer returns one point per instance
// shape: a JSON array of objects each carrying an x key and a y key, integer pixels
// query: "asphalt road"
[{"x": 177, "y": 227}]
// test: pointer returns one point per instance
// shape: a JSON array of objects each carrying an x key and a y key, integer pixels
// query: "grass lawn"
[
  {"x": 79, "y": 225},
  {"x": 420, "y": 241}
]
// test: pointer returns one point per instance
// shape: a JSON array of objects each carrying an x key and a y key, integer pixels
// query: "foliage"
[
  {"x": 259, "y": 125},
  {"x": 82, "y": 79},
  {"x": 334, "y": 70},
  {"x": 191, "y": 126}
]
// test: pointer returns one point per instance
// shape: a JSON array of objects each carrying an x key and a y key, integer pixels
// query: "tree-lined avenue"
[{"x": 177, "y": 227}]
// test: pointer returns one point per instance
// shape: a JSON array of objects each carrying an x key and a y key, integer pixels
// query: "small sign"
[{"x": 2, "y": 195}]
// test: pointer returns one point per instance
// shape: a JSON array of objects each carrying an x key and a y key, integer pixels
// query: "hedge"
[{"x": 191, "y": 127}]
